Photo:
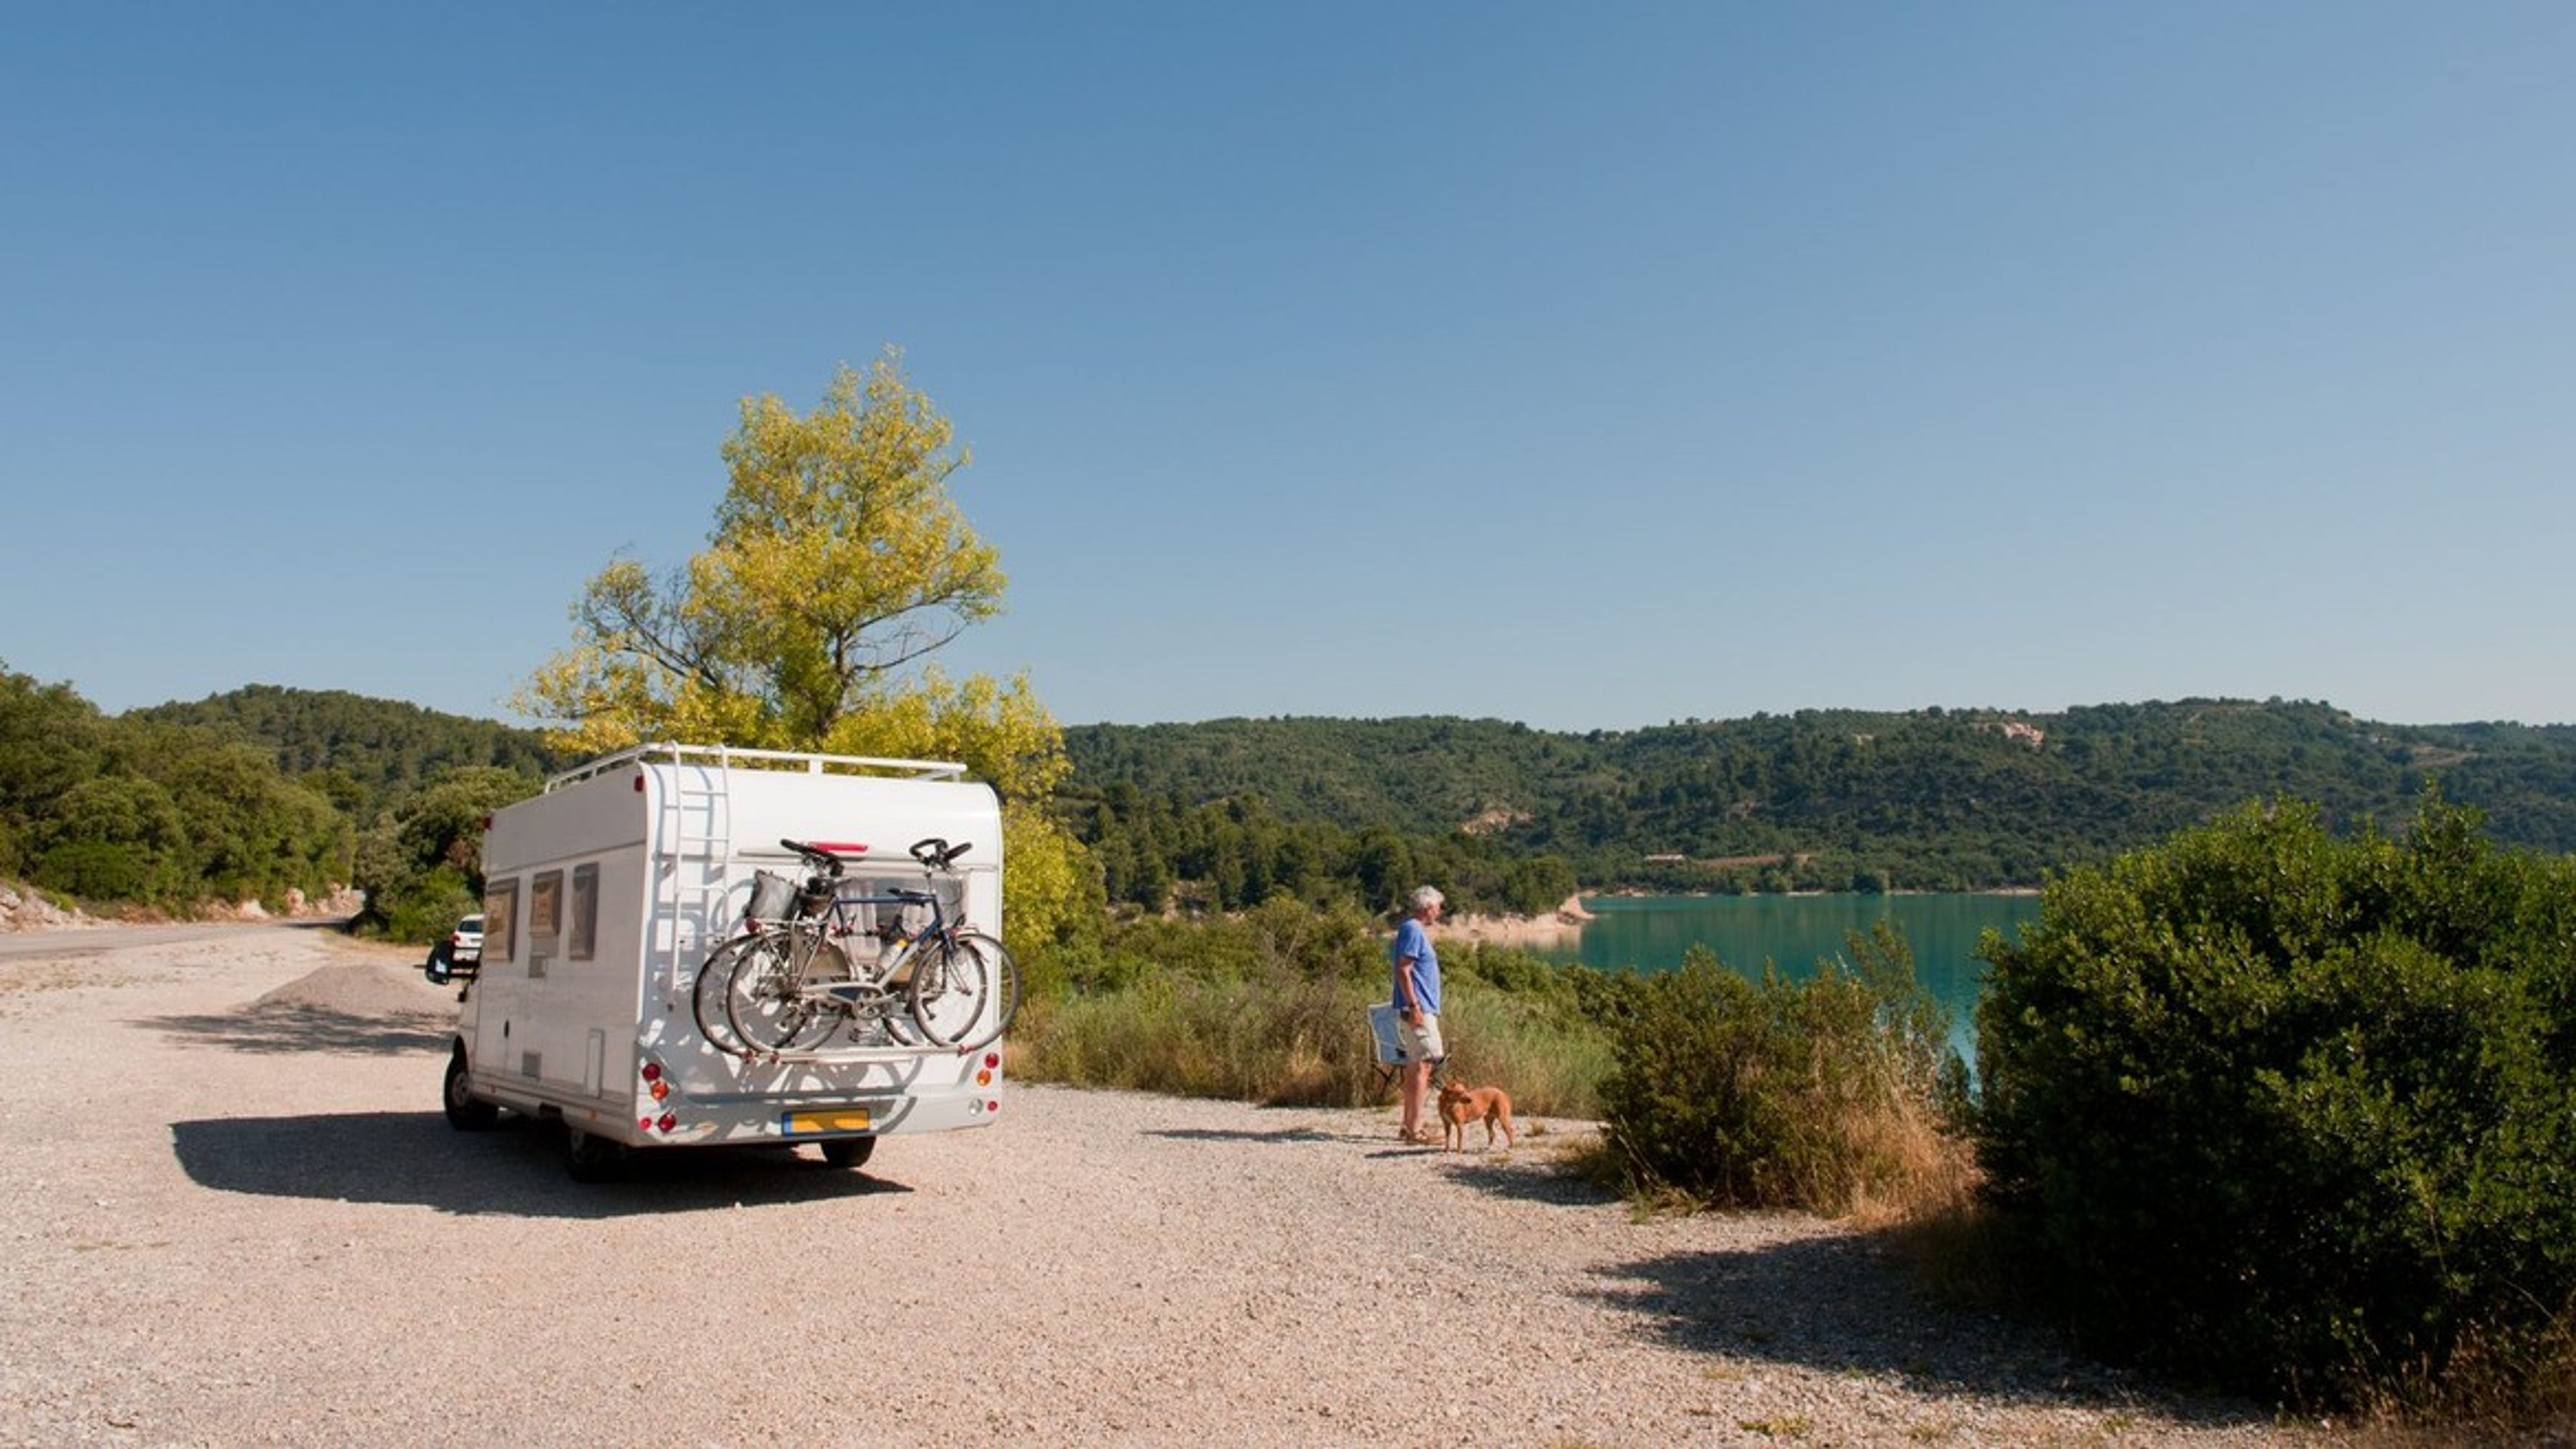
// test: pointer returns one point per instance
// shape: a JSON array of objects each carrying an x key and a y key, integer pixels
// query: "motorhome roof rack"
[{"x": 734, "y": 757}]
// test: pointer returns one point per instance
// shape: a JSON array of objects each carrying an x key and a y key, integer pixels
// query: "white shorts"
[{"x": 1420, "y": 1043}]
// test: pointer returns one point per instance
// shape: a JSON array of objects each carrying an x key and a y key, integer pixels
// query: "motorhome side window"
[
  {"x": 545, "y": 909},
  {"x": 545, "y": 919},
  {"x": 501, "y": 921},
  {"x": 584, "y": 910}
]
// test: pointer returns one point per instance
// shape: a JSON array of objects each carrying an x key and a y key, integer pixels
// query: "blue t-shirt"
[{"x": 1414, "y": 943}]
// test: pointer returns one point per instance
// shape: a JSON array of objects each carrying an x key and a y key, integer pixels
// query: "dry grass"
[
  {"x": 1285, "y": 1041},
  {"x": 2481, "y": 1397},
  {"x": 1922, "y": 1170}
]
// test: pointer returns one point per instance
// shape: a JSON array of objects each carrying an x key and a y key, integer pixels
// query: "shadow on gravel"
[
  {"x": 309, "y": 1029},
  {"x": 516, "y": 1169},
  {"x": 1376, "y": 1143},
  {"x": 1531, "y": 1177},
  {"x": 1531, "y": 1180},
  {"x": 1214, "y": 1134},
  {"x": 1835, "y": 1304}
]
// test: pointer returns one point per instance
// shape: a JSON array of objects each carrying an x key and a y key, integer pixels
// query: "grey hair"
[{"x": 1425, "y": 896}]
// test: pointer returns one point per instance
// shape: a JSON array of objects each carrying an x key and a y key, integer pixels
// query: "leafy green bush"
[
  {"x": 116, "y": 838},
  {"x": 50, "y": 742},
  {"x": 2290, "y": 1112},
  {"x": 1827, "y": 1094},
  {"x": 251, "y": 832},
  {"x": 423, "y": 868}
]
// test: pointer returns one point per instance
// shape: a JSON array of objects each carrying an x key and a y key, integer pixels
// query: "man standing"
[{"x": 1417, "y": 1005}]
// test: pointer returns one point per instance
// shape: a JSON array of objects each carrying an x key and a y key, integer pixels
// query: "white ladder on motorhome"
[{"x": 692, "y": 876}]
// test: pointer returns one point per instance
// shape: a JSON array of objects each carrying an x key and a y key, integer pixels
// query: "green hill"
[
  {"x": 1840, "y": 799},
  {"x": 374, "y": 752},
  {"x": 1227, "y": 811}
]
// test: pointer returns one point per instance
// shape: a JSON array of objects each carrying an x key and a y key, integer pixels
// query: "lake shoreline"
[
  {"x": 1518, "y": 932},
  {"x": 1634, "y": 893},
  {"x": 1559, "y": 929}
]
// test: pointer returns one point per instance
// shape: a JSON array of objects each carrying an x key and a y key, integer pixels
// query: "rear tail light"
[{"x": 657, "y": 1084}]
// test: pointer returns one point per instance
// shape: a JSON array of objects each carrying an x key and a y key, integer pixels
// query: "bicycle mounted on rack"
[{"x": 814, "y": 963}]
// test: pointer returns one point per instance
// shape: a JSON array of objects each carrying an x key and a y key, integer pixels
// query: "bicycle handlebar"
[
  {"x": 933, "y": 853},
  {"x": 824, "y": 859}
]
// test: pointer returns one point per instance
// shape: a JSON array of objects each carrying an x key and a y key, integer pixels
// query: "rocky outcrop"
[
  {"x": 340, "y": 901},
  {"x": 1522, "y": 931},
  {"x": 24, "y": 910}
]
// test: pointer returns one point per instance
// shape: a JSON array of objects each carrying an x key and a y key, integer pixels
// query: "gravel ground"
[{"x": 237, "y": 1217}]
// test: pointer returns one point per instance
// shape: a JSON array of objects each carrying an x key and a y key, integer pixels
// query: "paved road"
[{"x": 99, "y": 940}]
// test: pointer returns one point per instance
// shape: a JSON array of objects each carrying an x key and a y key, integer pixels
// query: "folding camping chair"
[{"x": 1390, "y": 1047}]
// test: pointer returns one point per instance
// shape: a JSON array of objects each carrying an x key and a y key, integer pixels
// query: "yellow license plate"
[{"x": 849, "y": 1119}]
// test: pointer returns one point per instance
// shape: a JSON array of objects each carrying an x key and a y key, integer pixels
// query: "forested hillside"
[
  {"x": 154, "y": 813},
  {"x": 1934, "y": 799},
  {"x": 262, "y": 789},
  {"x": 381, "y": 749},
  {"x": 260, "y": 794},
  {"x": 413, "y": 783}
]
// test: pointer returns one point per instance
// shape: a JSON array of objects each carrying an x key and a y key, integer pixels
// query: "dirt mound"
[{"x": 366, "y": 989}]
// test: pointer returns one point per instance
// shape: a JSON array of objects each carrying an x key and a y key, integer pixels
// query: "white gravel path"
[{"x": 242, "y": 1221}]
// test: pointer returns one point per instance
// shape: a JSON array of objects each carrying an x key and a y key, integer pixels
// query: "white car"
[{"x": 459, "y": 953}]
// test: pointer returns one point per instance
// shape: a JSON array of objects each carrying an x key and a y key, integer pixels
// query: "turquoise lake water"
[{"x": 1650, "y": 933}]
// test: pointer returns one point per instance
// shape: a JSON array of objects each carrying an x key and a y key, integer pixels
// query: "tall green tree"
[
  {"x": 117, "y": 837},
  {"x": 51, "y": 740},
  {"x": 839, "y": 560},
  {"x": 251, "y": 832},
  {"x": 422, "y": 867}
]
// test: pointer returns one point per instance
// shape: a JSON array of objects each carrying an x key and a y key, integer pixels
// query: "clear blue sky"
[{"x": 1587, "y": 366}]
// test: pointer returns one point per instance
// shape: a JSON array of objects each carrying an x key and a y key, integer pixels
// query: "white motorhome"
[{"x": 603, "y": 898}]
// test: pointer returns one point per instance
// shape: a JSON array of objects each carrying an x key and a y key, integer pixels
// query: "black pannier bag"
[{"x": 772, "y": 895}]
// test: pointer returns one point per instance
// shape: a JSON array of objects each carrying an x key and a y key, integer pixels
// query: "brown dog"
[{"x": 1462, "y": 1105}]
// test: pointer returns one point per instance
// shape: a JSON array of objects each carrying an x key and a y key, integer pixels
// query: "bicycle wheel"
[
  {"x": 706, "y": 997},
  {"x": 769, "y": 1000},
  {"x": 964, "y": 991},
  {"x": 1006, "y": 988},
  {"x": 950, "y": 983}
]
